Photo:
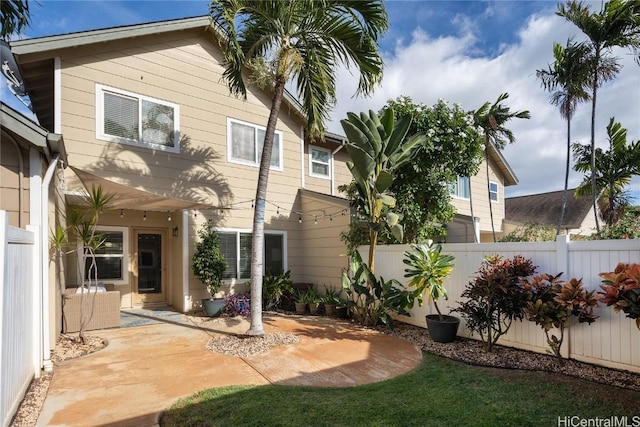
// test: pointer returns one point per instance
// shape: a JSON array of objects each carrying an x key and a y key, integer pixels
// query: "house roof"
[
  {"x": 30, "y": 133},
  {"x": 509, "y": 175},
  {"x": 36, "y": 57},
  {"x": 545, "y": 208}
]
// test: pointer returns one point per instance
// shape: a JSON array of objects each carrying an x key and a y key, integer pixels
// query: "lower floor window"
[
  {"x": 236, "y": 247},
  {"x": 109, "y": 257}
]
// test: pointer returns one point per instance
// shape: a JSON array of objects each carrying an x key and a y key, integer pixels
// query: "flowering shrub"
[{"x": 237, "y": 305}]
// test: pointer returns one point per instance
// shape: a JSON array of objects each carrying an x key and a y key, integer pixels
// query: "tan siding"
[
  {"x": 323, "y": 252},
  {"x": 10, "y": 182},
  {"x": 480, "y": 198},
  {"x": 184, "y": 72}
]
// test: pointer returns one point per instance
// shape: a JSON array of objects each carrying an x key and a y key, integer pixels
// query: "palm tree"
[
  {"x": 617, "y": 24},
  {"x": 492, "y": 118},
  {"x": 614, "y": 170},
  {"x": 567, "y": 78},
  {"x": 14, "y": 16},
  {"x": 302, "y": 41}
]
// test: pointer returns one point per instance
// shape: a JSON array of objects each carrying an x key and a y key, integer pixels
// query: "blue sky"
[{"x": 462, "y": 51}]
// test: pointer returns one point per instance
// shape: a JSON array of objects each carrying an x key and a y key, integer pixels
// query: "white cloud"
[{"x": 427, "y": 68}]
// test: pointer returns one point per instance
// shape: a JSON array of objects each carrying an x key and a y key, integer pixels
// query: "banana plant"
[{"x": 378, "y": 146}]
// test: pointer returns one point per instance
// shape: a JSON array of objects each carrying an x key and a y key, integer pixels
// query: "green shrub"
[
  {"x": 208, "y": 262},
  {"x": 531, "y": 232}
]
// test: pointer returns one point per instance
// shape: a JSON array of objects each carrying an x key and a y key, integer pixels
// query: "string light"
[
  {"x": 144, "y": 217},
  {"x": 168, "y": 216},
  {"x": 315, "y": 219},
  {"x": 121, "y": 213},
  {"x": 300, "y": 219}
]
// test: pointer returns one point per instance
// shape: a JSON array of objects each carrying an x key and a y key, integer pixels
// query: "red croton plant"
[
  {"x": 553, "y": 302},
  {"x": 622, "y": 290}
]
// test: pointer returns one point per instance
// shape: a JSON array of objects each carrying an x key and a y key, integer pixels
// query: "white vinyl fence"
[
  {"x": 612, "y": 341},
  {"x": 17, "y": 321}
]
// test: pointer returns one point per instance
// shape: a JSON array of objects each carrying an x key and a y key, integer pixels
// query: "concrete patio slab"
[{"x": 145, "y": 369}]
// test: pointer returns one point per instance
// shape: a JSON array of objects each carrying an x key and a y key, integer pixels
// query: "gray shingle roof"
[{"x": 545, "y": 208}]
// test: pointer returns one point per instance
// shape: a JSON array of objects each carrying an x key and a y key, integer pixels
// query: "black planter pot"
[
  {"x": 444, "y": 330},
  {"x": 213, "y": 307},
  {"x": 342, "y": 312}
]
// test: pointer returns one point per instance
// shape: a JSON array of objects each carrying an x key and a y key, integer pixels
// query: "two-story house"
[{"x": 146, "y": 115}]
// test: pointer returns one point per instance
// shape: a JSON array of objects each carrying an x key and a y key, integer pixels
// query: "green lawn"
[{"x": 439, "y": 392}]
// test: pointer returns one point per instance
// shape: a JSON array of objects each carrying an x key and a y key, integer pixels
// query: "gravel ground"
[{"x": 465, "y": 350}]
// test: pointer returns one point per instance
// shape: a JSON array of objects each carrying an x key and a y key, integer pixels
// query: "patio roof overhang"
[{"x": 126, "y": 197}]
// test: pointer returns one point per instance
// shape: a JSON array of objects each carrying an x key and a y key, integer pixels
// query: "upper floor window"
[
  {"x": 129, "y": 118},
  {"x": 460, "y": 187},
  {"x": 319, "y": 162},
  {"x": 493, "y": 191},
  {"x": 245, "y": 142},
  {"x": 110, "y": 258}
]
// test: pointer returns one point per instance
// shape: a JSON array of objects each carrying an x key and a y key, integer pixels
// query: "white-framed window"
[
  {"x": 129, "y": 118},
  {"x": 460, "y": 187},
  {"x": 112, "y": 257},
  {"x": 319, "y": 162},
  {"x": 245, "y": 142},
  {"x": 493, "y": 191},
  {"x": 236, "y": 247}
]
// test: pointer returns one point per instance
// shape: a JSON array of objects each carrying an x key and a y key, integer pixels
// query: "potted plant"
[
  {"x": 274, "y": 287},
  {"x": 313, "y": 300},
  {"x": 622, "y": 290},
  {"x": 208, "y": 265},
  {"x": 428, "y": 269},
  {"x": 330, "y": 300},
  {"x": 301, "y": 302}
]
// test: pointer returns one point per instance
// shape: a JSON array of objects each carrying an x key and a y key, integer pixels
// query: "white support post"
[{"x": 187, "y": 301}]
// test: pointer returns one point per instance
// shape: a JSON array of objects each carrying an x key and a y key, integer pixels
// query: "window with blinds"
[
  {"x": 245, "y": 142},
  {"x": 319, "y": 162},
  {"x": 111, "y": 257},
  {"x": 236, "y": 248},
  {"x": 129, "y": 118}
]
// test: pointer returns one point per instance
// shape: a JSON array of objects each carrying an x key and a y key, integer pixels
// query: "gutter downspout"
[
  {"x": 47, "y": 365},
  {"x": 333, "y": 178}
]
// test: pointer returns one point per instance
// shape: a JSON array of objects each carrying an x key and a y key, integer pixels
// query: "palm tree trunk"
[
  {"x": 486, "y": 160},
  {"x": 566, "y": 178},
  {"x": 473, "y": 218},
  {"x": 593, "y": 138},
  {"x": 257, "y": 247}
]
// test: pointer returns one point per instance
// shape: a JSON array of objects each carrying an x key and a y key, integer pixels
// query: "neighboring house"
[
  {"x": 475, "y": 190},
  {"x": 545, "y": 209},
  {"x": 31, "y": 169},
  {"x": 146, "y": 114}
]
